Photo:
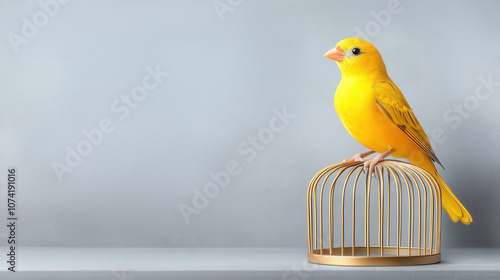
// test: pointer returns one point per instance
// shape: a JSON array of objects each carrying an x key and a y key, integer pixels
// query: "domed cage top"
[{"x": 390, "y": 218}]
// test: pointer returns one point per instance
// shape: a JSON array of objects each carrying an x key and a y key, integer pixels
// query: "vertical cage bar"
[
  {"x": 381, "y": 210},
  {"x": 353, "y": 223},
  {"x": 367, "y": 211},
  {"x": 388, "y": 207},
  {"x": 399, "y": 206}
]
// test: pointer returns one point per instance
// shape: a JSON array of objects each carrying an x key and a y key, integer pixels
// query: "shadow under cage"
[{"x": 391, "y": 218}]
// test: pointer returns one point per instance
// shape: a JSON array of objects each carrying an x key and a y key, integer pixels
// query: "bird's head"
[{"x": 357, "y": 57}]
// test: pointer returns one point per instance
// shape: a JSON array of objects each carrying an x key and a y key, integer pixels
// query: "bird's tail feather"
[{"x": 451, "y": 204}]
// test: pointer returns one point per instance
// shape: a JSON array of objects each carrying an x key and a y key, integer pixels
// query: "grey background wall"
[{"x": 118, "y": 114}]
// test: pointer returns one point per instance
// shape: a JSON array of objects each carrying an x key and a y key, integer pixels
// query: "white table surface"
[{"x": 233, "y": 263}]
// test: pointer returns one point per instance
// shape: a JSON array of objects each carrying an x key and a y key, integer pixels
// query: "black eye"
[{"x": 356, "y": 51}]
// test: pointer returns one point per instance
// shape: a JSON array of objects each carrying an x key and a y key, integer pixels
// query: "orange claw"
[{"x": 371, "y": 163}]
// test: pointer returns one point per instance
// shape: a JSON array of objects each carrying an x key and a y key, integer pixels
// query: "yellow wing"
[{"x": 394, "y": 106}]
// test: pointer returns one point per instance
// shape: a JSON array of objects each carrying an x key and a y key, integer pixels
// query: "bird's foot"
[
  {"x": 372, "y": 162},
  {"x": 359, "y": 156}
]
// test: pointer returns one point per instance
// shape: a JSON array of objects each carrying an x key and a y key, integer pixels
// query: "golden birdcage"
[{"x": 390, "y": 218}]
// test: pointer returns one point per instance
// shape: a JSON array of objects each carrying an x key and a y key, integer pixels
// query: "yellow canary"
[{"x": 376, "y": 114}]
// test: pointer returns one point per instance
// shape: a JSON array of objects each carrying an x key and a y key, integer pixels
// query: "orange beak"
[{"x": 336, "y": 54}]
